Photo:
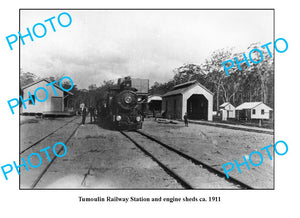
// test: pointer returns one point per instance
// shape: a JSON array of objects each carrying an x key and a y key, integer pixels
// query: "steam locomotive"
[{"x": 122, "y": 108}]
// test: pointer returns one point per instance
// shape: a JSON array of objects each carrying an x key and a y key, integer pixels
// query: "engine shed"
[{"x": 191, "y": 98}]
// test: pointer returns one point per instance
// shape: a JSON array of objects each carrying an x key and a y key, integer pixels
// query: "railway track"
[
  {"x": 46, "y": 136},
  {"x": 33, "y": 176},
  {"x": 189, "y": 172}
]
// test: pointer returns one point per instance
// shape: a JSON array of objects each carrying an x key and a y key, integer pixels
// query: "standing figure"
[
  {"x": 154, "y": 114},
  {"x": 96, "y": 114},
  {"x": 186, "y": 122},
  {"x": 83, "y": 114},
  {"x": 92, "y": 114}
]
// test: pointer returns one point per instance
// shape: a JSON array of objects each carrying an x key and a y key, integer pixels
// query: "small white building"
[
  {"x": 53, "y": 104},
  {"x": 227, "y": 110},
  {"x": 253, "y": 110},
  {"x": 191, "y": 98}
]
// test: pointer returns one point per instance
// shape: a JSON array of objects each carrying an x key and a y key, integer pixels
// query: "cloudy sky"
[{"x": 108, "y": 44}]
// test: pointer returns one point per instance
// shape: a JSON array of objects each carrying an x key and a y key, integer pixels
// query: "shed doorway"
[{"x": 197, "y": 107}]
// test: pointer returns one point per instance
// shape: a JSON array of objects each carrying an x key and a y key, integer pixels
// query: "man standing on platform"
[
  {"x": 83, "y": 114},
  {"x": 92, "y": 114},
  {"x": 186, "y": 122}
]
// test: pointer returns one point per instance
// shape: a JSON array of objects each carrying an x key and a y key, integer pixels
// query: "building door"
[
  {"x": 56, "y": 104},
  {"x": 197, "y": 107}
]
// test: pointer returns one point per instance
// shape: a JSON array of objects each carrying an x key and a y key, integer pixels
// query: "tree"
[
  {"x": 264, "y": 72},
  {"x": 186, "y": 73},
  {"x": 161, "y": 88},
  {"x": 67, "y": 85},
  {"x": 27, "y": 78},
  {"x": 92, "y": 87},
  {"x": 244, "y": 84},
  {"x": 215, "y": 72}
]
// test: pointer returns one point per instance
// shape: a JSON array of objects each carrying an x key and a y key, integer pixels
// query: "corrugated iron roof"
[
  {"x": 176, "y": 92},
  {"x": 183, "y": 87},
  {"x": 250, "y": 105},
  {"x": 38, "y": 81},
  {"x": 224, "y": 104},
  {"x": 185, "y": 84}
]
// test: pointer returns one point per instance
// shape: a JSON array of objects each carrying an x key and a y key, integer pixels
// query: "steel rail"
[
  {"x": 196, "y": 162},
  {"x": 44, "y": 137},
  {"x": 53, "y": 159},
  {"x": 170, "y": 172}
]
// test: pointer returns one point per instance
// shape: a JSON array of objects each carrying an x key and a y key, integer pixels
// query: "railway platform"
[{"x": 233, "y": 126}]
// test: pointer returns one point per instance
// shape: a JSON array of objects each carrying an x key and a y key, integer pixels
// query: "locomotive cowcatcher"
[{"x": 122, "y": 109}]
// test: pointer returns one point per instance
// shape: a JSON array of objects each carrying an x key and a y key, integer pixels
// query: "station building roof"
[{"x": 46, "y": 80}]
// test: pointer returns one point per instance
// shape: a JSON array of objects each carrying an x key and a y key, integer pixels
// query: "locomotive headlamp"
[
  {"x": 118, "y": 118},
  {"x": 138, "y": 118},
  {"x": 128, "y": 99}
]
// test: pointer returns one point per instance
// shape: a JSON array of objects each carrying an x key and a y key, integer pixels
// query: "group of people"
[{"x": 84, "y": 112}]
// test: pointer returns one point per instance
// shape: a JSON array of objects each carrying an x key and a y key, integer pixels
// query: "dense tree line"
[{"x": 250, "y": 84}]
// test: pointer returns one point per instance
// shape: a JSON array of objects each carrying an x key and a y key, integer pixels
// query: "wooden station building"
[{"x": 54, "y": 105}]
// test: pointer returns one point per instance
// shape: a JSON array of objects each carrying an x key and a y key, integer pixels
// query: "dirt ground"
[
  {"x": 32, "y": 129},
  {"x": 217, "y": 146},
  {"x": 195, "y": 176},
  {"x": 104, "y": 159},
  {"x": 30, "y": 133},
  {"x": 96, "y": 159}
]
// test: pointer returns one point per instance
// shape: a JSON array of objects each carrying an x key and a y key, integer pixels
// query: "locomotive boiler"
[{"x": 123, "y": 108}]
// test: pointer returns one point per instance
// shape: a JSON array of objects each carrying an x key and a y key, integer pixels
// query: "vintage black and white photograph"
[{"x": 147, "y": 99}]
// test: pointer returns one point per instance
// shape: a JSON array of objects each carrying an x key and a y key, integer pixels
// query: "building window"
[
  {"x": 253, "y": 111},
  {"x": 33, "y": 97},
  {"x": 262, "y": 111}
]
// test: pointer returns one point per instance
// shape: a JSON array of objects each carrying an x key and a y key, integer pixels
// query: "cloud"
[{"x": 107, "y": 44}]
